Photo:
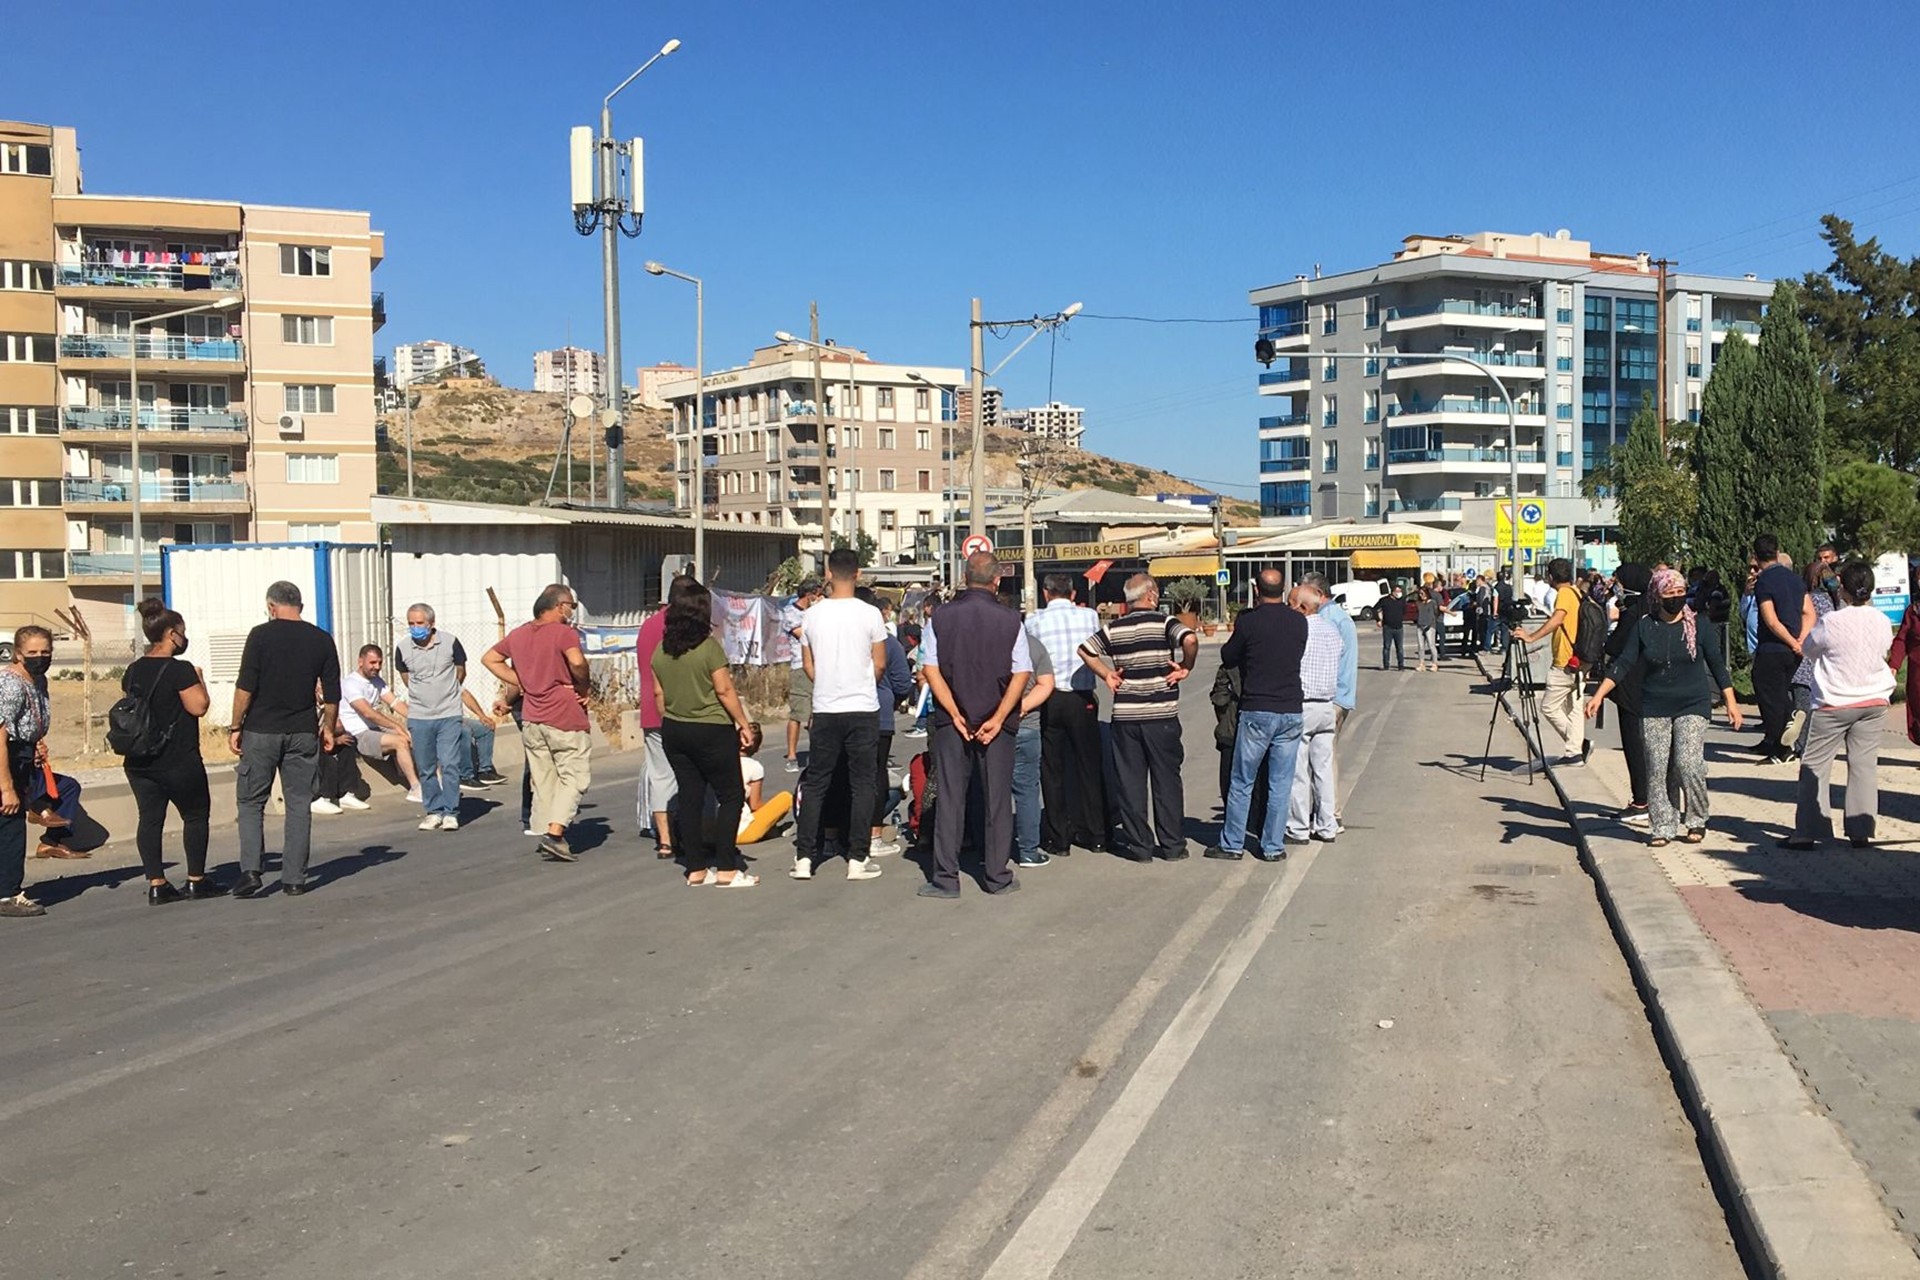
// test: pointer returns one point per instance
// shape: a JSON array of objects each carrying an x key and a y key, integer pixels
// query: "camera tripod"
[{"x": 1516, "y": 676}]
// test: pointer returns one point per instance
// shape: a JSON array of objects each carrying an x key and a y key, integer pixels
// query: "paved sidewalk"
[{"x": 1825, "y": 943}]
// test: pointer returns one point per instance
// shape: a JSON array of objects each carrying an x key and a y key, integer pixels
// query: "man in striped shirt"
[{"x": 1143, "y": 656}]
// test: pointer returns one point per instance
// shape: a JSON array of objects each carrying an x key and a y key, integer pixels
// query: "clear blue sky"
[{"x": 893, "y": 160}]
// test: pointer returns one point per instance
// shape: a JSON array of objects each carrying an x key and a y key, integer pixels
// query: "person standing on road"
[
  {"x": 272, "y": 731},
  {"x": 844, "y": 654},
  {"x": 1266, "y": 647},
  {"x": 1427, "y": 621},
  {"x": 1852, "y": 688},
  {"x": 1823, "y": 588},
  {"x": 175, "y": 694},
  {"x": 1905, "y": 651},
  {"x": 434, "y": 665},
  {"x": 1390, "y": 615},
  {"x": 540, "y": 664},
  {"x": 1027, "y": 753},
  {"x": 1635, "y": 581},
  {"x": 1560, "y": 702},
  {"x": 799, "y": 683},
  {"x": 1142, "y": 656},
  {"x": 703, "y": 728},
  {"x": 1310, "y": 813},
  {"x": 1675, "y": 656},
  {"x": 25, "y": 715},
  {"x": 978, "y": 664},
  {"x": 1346, "y": 695},
  {"x": 893, "y": 686},
  {"x": 1786, "y": 616},
  {"x": 1072, "y": 782},
  {"x": 657, "y": 786}
]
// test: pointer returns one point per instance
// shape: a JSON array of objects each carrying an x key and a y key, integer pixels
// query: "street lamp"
[
  {"x": 227, "y": 303},
  {"x": 853, "y": 507},
  {"x": 699, "y": 410},
  {"x": 977, "y": 517},
  {"x": 946, "y": 490}
]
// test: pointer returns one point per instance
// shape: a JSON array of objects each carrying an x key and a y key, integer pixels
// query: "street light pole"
[
  {"x": 699, "y": 412},
  {"x": 227, "y": 303},
  {"x": 977, "y": 517},
  {"x": 946, "y": 484}
]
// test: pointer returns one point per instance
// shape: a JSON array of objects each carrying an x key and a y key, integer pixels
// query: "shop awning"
[
  {"x": 1400, "y": 559},
  {"x": 1184, "y": 566}
]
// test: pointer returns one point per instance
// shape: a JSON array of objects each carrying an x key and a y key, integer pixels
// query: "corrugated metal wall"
[{"x": 451, "y": 566}]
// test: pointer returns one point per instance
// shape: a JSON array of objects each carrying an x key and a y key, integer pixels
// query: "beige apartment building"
[
  {"x": 885, "y": 440},
  {"x": 255, "y": 420},
  {"x": 570, "y": 371}
]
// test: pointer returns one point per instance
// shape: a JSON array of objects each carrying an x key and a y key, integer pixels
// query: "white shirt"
[
  {"x": 356, "y": 687},
  {"x": 841, "y": 635},
  {"x": 751, "y": 771},
  {"x": 1849, "y": 651}
]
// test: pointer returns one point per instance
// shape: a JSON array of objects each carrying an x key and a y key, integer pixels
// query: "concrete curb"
[{"x": 1806, "y": 1208}]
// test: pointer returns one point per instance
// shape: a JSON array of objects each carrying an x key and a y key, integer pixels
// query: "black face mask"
[
  {"x": 180, "y": 645},
  {"x": 1672, "y": 605},
  {"x": 38, "y": 666}
]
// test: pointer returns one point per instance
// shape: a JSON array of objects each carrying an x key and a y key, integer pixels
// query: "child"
[{"x": 759, "y": 816}]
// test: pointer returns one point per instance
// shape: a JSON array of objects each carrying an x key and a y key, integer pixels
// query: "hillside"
[{"x": 480, "y": 442}]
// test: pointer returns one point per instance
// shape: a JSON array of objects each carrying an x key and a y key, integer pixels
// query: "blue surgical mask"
[{"x": 420, "y": 633}]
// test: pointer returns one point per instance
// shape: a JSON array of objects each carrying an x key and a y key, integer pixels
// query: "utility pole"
[
  {"x": 1660, "y": 355},
  {"x": 1220, "y": 544},
  {"x": 977, "y": 514},
  {"x": 820, "y": 420}
]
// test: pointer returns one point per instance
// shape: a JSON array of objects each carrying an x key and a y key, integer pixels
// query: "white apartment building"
[
  {"x": 1049, "y": 421},
  {"x": 1572, "y": 333},
  {"x": 570, "y": 371},
  {"x": 648, "y": 380},
  {"x": 885, "y": 440},
  {"x": 413, "y": 361}
]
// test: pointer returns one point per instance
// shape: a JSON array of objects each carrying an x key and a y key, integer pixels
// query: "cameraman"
[{"x": 1560, "y": 703}]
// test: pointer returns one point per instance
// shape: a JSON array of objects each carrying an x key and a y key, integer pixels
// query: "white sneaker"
[
  {"x": 802, "y": 870},
  {"x": 430, "y": 823},
  {"x": 533, "y": 831},
  {"x": 449, "y": 822},
  {"x": 863, "y": 869},
  {"x": 413, "y": 797},
  {"x": 324, "y": 806},
  {"x": 884, "y": 848},
  {"x": 353, "y": 802}
]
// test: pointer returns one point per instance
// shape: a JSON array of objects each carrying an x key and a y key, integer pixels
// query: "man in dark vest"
[{"x": 975, "y": 655}]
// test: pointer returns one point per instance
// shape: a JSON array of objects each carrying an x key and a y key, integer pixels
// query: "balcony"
[
  {"x": 112, "y": 564},
  {"x": 1451, "y": 406},
  {"x": 177, "y": 491},
  {"x": 208, "y": 424},
  {"x": 178, "y": 277},
  {"x": 1286, "y": 333},
  {"x": 1693, "y": 324},
  {"x": 1726, "y": 324},
  {"x": 150, "y": 350},
  {"x": 1282, "y": 421},
  {"x": 799, "y": 451},
  {"x": 1466, "y": 311},
  {"x": 1291, "y": 377},
  {"x": 797, "y": 496},
  {"x": 1430, "y": 508},
  {"x": 1277, "y": 466},
  {"x": 379, "y": 309},
  {"x": 1461, "y": 454},
  {"x": 1525, "y": 364},
  {"x": 1564, "y": 458},
  {"x": 1693, "y": 368}
]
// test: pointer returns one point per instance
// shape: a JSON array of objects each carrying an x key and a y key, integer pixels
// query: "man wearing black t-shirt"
[
  {"x": 1391, "y": 616},
  {"x": 272, "y": 731},
  {"x": 1786, "y": 616}
]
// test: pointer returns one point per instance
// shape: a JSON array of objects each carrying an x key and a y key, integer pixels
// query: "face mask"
[
  {"x": 1672, "y": 605},
  {"x": 420, "y": 633},
  {"x": 180, "y": 644},
  {"x": 1829, "y": 583},
  {"x": 38, "y": 666}
]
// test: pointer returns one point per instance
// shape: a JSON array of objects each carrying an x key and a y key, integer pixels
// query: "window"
[
  {"x": 36, "y": 276},
  {"x": 853, "y": 437},
  {"x": 1329, "y": 457},
  {"x": 922, "y": 398},
  {"x": 1637, "y": 362},
  {"x": 1330, "y": 371},
  {"x": 1563, "y": 354},
  {"x": 1372, "y": 461},
  {"x": 886, "y": 478},
  {"x": 313, "y": 533},
  {"x": 305, "y": 260},
  {"x": 1330, "y": 411},
  {"x": 35, "y": 161},
  {"x": 313, "y": 468},
  {"x": 1329, "y": 320},
  {"x": 32, "y": 565},
  {"x": 307, "y": 331},
  {"x": 889, "y": 521},
  {"x": 886, "y": 434},
  {"x": 26, "y": 348},
  {"x": 28, "y": 420},
  {"x": 1599, "y": 312},
  {"x": 1372, "y": 320},
  {"x": 883, "y": 397},
  {"x": 923, "y": 439},
  {"x": 1372, "y": 405},
  {"x": 308, "y": 398},
  {"x": 1373, "y": 359},
  {"x": 29, "y": 493},
  {"x": 923, "y": 481}
]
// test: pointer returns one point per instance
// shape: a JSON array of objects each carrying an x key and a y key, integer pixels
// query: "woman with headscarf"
[
  {"x": 1851, "y": 690},
  {"x": 1633, "y": 580},
  {"x": 1676, "y": 654}
]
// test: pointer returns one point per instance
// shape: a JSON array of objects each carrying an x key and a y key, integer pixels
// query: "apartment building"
[
  {"x": 884, "y": 435},
  {"x": 1392, "y": 425},
  {"x": 648, "y": 379},
  {"x": 570, "y": 371},
  {"x": 991, "y": 405},
  {"x": 416, "y": 361},
  {"x": 1050, "y": 421},
  {"x": 255, "y": 418}
]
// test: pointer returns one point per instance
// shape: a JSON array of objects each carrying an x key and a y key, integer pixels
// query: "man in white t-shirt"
[
  {"x": 371, "y": 715},
  {"x": 843, "y": 647}
]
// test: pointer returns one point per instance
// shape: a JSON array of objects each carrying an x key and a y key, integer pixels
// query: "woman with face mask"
[
  {"x": 176, "y": 697},
  {"x": 1677, "y": 655},
  {"x": 24, "y": 718}
]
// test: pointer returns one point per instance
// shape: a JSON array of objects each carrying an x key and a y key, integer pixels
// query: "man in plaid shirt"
[{"x": 1072, "y": 780}]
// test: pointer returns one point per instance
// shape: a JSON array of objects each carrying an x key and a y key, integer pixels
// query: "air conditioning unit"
[{"x": 292, "y": 424}]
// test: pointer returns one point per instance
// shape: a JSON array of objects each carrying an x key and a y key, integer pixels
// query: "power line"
[{"x": 1170, "y": 319}]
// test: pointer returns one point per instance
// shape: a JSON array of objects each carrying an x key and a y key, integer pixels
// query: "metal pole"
[
  {"x": 1513, "y": 471},
  {"x": 1028, "y": 599},
  {"x": 610, "y": 303},
  {"x": 977, "y": 515},
  {"x": 820, "y": 422},
  {"x": 406, "y": 396},
  {"x": 133, "y": 449},
  {"x": 948, "y": 550},
  {"x": 699, "y": 417},
  {"x": 1220, "y": 544},
  {"x": 1660, "y": 352}
]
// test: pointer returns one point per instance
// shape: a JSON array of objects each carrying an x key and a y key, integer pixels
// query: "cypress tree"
[
  {"x": 1724, "y": 519},
  {"x": 1655, "y": 494},
  {"x": 1790, "y": 448}
]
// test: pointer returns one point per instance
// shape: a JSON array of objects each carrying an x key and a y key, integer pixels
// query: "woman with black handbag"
[{"x": 175, "y": 697}]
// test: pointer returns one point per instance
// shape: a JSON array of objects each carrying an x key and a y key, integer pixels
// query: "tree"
[
  {"x": 1873, "y": 508},
  {"x": 1723, "y": 520},
  {"x": 1788, "y": 444},
  {"x": 1864, "y": 315},
  {"x": 787, "y": 577},
  {"x": 1653, "y": 488},
  {"x": 864, "y": 546}
]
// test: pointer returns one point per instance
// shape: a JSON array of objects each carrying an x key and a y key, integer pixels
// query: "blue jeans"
[
  {"x": 1391, "y": 646},
  {"x": 438, "y": 748},
  {"x": 1026, "y": 787},
  {"x": 1272, "y": 738},
  {"x": 476, "y": 749}
]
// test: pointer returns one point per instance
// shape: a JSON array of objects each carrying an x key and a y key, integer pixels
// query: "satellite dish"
[
  {"x": 581, "y": 406},
  {"x": 609, "y": 417}
]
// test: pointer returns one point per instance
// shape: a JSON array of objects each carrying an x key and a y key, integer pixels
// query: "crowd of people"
[{"x": 1046, "y": 734}]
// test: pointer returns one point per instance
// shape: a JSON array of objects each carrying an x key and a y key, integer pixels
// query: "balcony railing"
[
  {"x": 1468, "y": 307},
  {"x": 1277, "y": 465},
  {"x": 216, "y": 420},
  {"x": 1693, "y": 324},
  {"x": 1460, "y": 453},
  {"x": 1564, "y": 458},
  {"x": 1285, "y": 329},
  {"x": 1273, "y": 377},
  {"x": 379, "y": 308},
  {"x": 1274, "y": 422},
  {"x": 1464, "y": 404},
  {"x": 1722, "y": 324},
  {"x": 1693, "y": 368},
  {"x": 1515, "y": 359},
  {"x": 803, "y": 495},
  {"x": 175, "y": 490},
  {"x": 115, "y": 275},
  {"x": 102, "y": 564},
  {"x": 115, "y": 346},
  {"x": 1416, "y": 504},
  {"x": 811, "y": 451}
]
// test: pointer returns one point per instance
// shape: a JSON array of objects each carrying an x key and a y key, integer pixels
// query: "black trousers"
[
  {"x": 836, "y": 740},
  {"x": 1147, "y": 755},
  {"x": 1773, "y": 687},
  {"x": 339, "y": 772},
  {"x": 1633, "y": 745},
  {"x": 179, "y": 780},
  {"x": 959, "y": 765},
  {"x": 13, "y": 826},
  {"x": 1073, "y": 788},
  {"x": 706, "y": 757}
]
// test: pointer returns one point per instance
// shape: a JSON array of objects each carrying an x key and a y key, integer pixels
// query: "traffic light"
[{"x": 1263, "y": 350}]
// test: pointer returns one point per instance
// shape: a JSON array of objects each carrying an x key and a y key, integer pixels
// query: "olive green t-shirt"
[{"x": 686, "y": 683}]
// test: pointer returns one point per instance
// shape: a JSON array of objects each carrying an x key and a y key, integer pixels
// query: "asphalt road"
[{"x": 456, "y": 1061}]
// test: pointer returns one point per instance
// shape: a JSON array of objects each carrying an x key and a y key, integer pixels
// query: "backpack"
[
  {"x": 132, "y": 728},
  {"x": 1590, "y": 641}
]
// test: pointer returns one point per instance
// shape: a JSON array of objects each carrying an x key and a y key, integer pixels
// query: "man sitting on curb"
[{"x": 372, "y": 716}]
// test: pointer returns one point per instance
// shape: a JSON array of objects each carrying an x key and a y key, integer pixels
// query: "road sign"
[
  {"x": 975, "y": 544},
  {"x": 1472, "y": 573},
  {"x": 1533, "y": 525},
  {"x": 1222, "y": 578}
]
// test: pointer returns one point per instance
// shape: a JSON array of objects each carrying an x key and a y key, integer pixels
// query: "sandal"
[
  {"x": 1658, "y": 842},
  {"x": 663, "y": 851},
  {"x": 741, "y": 880},
  {"x": 1695, "y": 835},
  {"x": 59, "y": 851},
  {"x": 699, "y": 878}
]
